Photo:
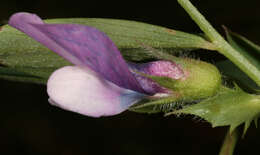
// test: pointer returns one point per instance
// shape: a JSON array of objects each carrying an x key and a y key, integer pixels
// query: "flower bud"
[{"x": 186, "y": 78}]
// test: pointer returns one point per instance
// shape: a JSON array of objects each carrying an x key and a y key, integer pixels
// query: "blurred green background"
[{"x": 30, "y": 126}]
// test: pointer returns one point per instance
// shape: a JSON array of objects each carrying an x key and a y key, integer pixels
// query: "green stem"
[
  {"x": 229, "y": 143},
  {"x": 221, "y": 45}
]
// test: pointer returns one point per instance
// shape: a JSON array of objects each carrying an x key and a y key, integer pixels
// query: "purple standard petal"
[
  {"x": 81, "y": 45},
  {"x": 156, "y": 68},
  {"x": 80, "y": 90}
]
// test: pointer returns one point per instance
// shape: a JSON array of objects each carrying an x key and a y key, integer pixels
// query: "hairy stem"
[
  {"x": 221, "y": 45},
  {"x": 229, "y": 143}
]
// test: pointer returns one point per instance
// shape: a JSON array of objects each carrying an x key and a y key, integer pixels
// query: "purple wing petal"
[
  {"x": 156, "y": 68},
  {"x": 160, "y": 68},
  {"x": 81, "y": 45},
  {"x": 80, "y": 90}
]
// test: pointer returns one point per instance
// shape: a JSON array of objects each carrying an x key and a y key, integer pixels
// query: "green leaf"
[
  {"x": 232, "y": 36},
  {"x": 232, "y": 72},
  {"x": 129, "y": 34},
  {"x": 230, "y": 107},
  {"x": 247, "y": 48},
  {"x": 20, "y": 53}
]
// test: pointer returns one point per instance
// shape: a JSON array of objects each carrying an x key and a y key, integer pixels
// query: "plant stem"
[
  {"x": 221, "y": 45},
  {"x": 229, "y": 143}
]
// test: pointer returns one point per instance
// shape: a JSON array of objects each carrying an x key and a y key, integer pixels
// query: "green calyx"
[{"x": 200, "y": 80}]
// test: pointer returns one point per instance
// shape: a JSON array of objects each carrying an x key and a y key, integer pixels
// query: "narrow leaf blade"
[
  {"x": 232, "y": 72},
  {"x": 231, "y": 107},
  {"x": 128, "y": 34},
  {"x": 19, "y": 52},
  {"x": 247, "y": 48}
]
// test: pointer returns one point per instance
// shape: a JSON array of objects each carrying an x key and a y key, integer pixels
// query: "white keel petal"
[{"x": 81, "y": 90}]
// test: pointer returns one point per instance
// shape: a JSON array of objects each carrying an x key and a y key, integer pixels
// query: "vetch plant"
[
  {"x": 102, "y": 83},
  {"x": 120, "y": 65}
]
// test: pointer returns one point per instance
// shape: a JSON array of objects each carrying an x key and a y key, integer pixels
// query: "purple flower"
[{"x": 101, "y": 83}]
